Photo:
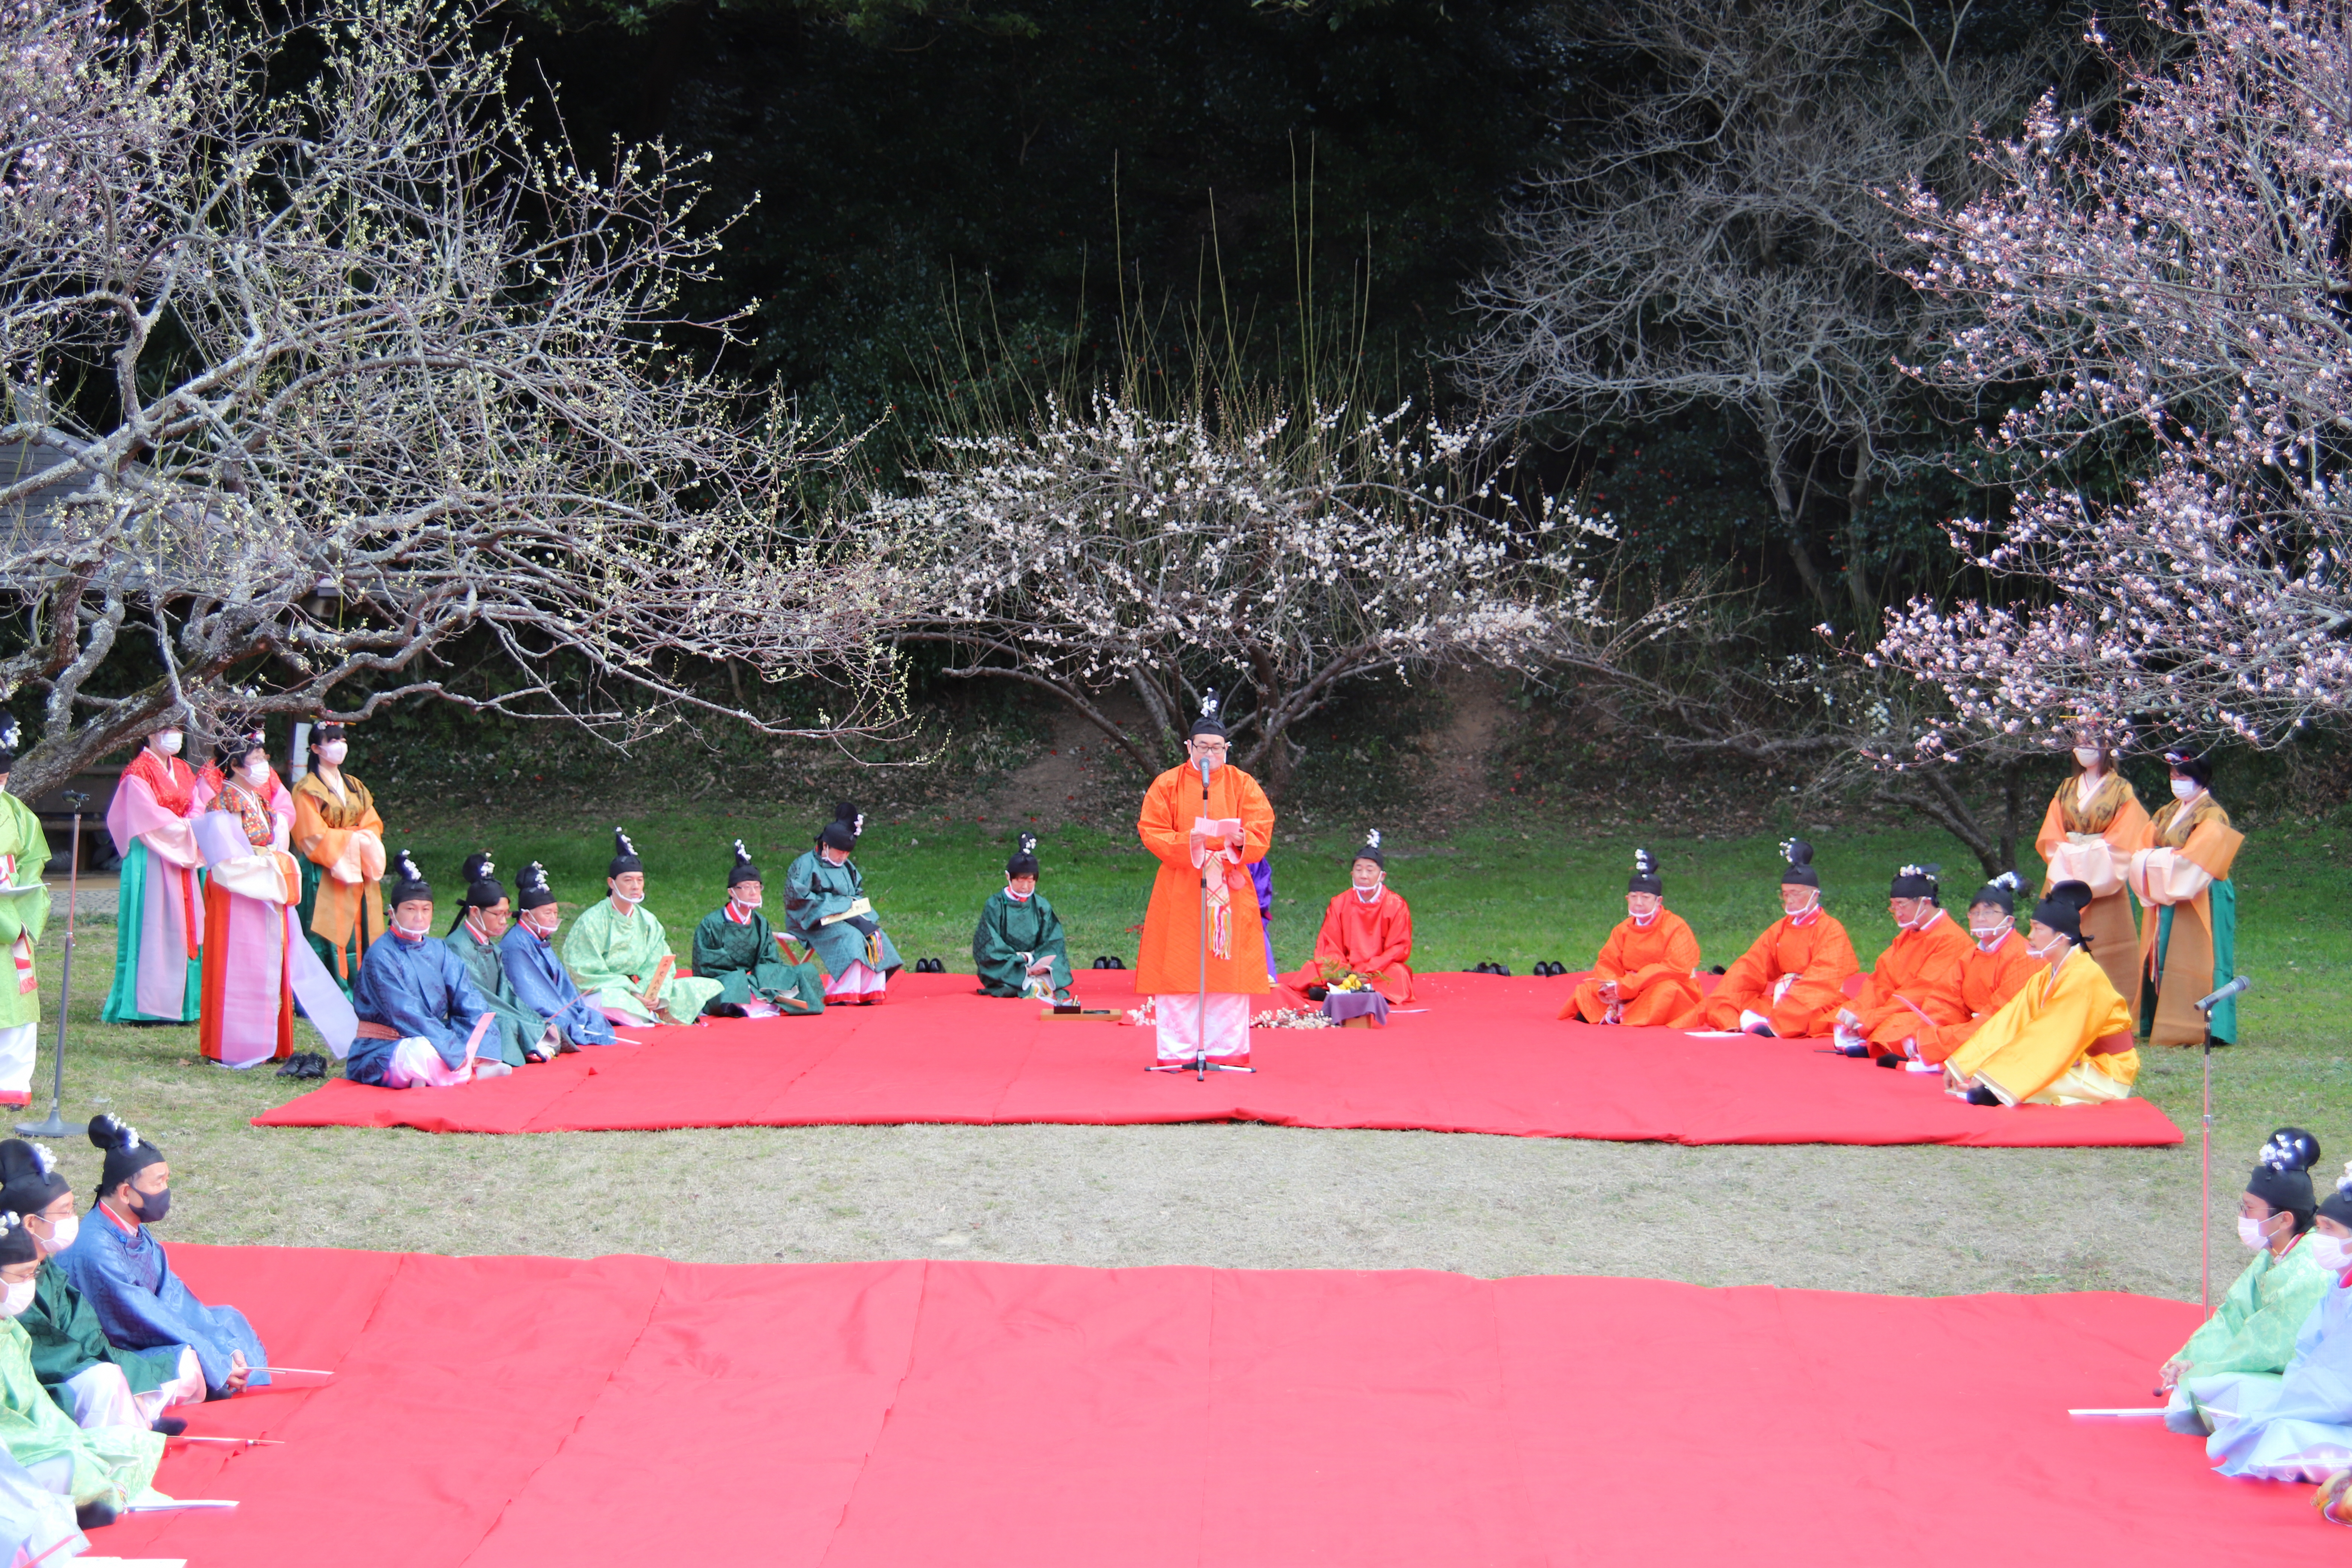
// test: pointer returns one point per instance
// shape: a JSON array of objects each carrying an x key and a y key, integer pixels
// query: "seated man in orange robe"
[
  {"x": 1790, "y": 982},
  {"x": 1994, "y": 968},
  {"x": 1367, "y": 931},
  {"x": 1644, "y": 974},
  {"x": 1902, "y": 992}
]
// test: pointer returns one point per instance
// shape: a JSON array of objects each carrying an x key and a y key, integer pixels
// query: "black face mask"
[{"x": 151, "y": 1206}]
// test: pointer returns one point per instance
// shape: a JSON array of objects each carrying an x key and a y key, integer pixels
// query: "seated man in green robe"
[
  {"x": 826, "y": 908},
  {"x": 620, "y": 954},
  {"x": 1018, "y": 946},
  {"x": 736, "y": 947},
  {"x": 103, "y": 1470},
  {"x": 521, "y": 1035}
]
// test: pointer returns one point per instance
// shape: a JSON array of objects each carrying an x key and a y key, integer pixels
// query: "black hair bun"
[
  {"x": 108, "y": 1132},
  {"x": 2289, "y": 1149}
]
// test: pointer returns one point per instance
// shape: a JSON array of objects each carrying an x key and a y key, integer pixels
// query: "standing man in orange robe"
[
  {"x": 1790, "y": 981},
  {"x": 1643, "y": 975},
  {"x": 1994, "y": 968},
  {"x": 1367, "y": 931},
  {"x": 1903, "y": 993},
  {"x": 1205, "y": 821}
]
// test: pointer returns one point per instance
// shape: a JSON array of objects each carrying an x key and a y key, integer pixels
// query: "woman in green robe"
[
  {"x": 826, "y": 908},
  {"x": 103, "y": 1470},
  {"x": 736, "y": 947},
  {"x": 1018, "y": 946}
]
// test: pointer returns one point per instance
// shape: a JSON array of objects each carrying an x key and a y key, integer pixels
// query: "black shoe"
[
  {"x": 95, "y": 1515},
  {"x": 1981, "y": 1094},
  {"x": 291, "y": 1067},
  {"x": 170, "y": 1425},
  {"x": 725, "y": 1010},
  {"x": 316, "y": 1065},
  {"x": 1502, "y": 969},
  {"x": 1854, "y": 1050},
  {"x": 1316, "y": 992},
  {"x": 1890, "y": 1061}
]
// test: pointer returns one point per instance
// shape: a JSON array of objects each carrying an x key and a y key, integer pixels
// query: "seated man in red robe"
[
  {"x": 1367, "y": 931},
  {"x": 1791, "y": 981},
  {"x": 1644, "y": 974},
  {"x": 1904, "y": 992}
]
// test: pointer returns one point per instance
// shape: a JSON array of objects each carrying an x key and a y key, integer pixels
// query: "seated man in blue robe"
[
  {"x": 1018, "y": 947},
  {"x": 422, "y": 1022},
  {"x": 121, "y": 1271},
  {"x": 539, "y": 980}
]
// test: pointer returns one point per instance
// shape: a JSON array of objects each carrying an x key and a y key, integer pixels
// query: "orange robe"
[
  {"x": 1372, "y": 939},
  {"x": 1168, "y": 961},
  {"x": 2199, "y": 841},
  {"x": 344, "y": 840},
  {"x": 2110, "y": 825},
  {"x": 1653, "y": 967},
  {"x": 1974, "y": 991},
  {"x": 1818, "y": 956},
  {"x": 1903, "y": 996}
]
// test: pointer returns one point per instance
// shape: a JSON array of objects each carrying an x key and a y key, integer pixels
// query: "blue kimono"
[
  {"x": 143, "y": 1306},
  {"x": 2296, "y": 1426},
  {"x": 815, "y": 887},
  {"x": 416, "y": 989},
  {"x": 542, "y": 984}
]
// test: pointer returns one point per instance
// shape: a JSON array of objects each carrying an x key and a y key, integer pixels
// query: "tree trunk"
[
  {"x": 1867, "y": 612},
  {"x": 1930, "y": 792},
  {"x": 1791, "y": 510},
  {"x": 2012, "y": 803}
]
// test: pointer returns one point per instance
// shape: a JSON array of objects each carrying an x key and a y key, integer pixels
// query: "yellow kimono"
[{"x": 2064, "y": 1039}]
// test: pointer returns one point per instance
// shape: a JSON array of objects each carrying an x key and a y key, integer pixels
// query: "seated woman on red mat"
[
  {"x": 1904, "y": 991},
  {"x": 1791, "y": 981},
  {"x": 2065, "y": 1037},
  {"x": 1367, "y": 931},
  {"x": 1645, "y": 972}
]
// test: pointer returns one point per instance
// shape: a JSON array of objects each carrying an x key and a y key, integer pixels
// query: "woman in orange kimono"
[
  {"x": 1204, "y": 820},
  {"x": 1791, "y": 980},
  {"x": 1367, "y": 931},
  {"x": 339, "y": 839},
  {"x": 2188, "y": 943},
  {"x": 1644, "y": 973},
  {"x": 2093, "y": 824}
]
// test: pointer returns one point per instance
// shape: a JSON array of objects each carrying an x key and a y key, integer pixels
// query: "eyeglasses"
[{"x": 1209, "y": 748}]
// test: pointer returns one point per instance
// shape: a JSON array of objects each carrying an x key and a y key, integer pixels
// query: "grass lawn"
[{"x": 1908, "y": 1219}]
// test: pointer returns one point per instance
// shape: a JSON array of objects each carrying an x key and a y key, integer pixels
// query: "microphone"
[
  {"x": 2237, "y": 987},
  {"x": 1204, "y": 765}
]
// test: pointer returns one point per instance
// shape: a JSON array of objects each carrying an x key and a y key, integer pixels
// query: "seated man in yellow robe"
[
  {"x": 2065, "y": 1039},
  {"x": 1644, "y": 973}
]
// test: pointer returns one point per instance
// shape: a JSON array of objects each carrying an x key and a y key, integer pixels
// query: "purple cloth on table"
[{"x": 1341, "y": 1005}]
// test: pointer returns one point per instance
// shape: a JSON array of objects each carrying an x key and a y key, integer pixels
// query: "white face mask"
[
  {"x": 2088, "y": 757},
  {"x": 2332, "y": 1253},
  {"x": 542, "y": 928},
  {"x": 332, "y": 752},
  {"x": 1989, "y": 937},
  {"x": 256, "y": 774},
  {"x": 747, "y": 900},
  {"x": 63, "y": 1231},
  {"x": 2250, "y": 1231},
  {"x": 419, "y": 929},
  {"x": 168, "y": 743},
  {"x": 2187, "y": 789},
  {"x": 18, "y": 1298},
  {"x": 2056, "y": 943}
]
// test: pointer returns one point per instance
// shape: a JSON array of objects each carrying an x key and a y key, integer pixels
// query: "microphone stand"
[
  {"x": 55, "y": 1126},
  {"x": 2205, "y": 1007}
]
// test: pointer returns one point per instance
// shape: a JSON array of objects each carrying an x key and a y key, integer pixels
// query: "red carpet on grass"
[
  {"x": 542, "y": 1413},
  {"x": 1487, "y": 1056}
]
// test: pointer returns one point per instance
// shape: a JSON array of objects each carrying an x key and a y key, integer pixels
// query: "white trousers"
[
  {"x": 414, "y": 1064},
  {"x": 860, "y": 979},
  {"x": 100, "y": 1395},
  {"x": 16, "y": 1058},
  {"x": 1179, "y": 1015}
]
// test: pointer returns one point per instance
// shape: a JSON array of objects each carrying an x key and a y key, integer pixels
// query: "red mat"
[
  {"x": 1487, "y": 1056},
  {"x": 531, "y": 1412}
]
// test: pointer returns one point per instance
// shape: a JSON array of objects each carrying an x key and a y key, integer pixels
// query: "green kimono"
[
  {"x": 518, "y": 1027},
  {"x": 24, "y": 915},
  {"x": 68, "y": 1341},
  {"x": 2252, "y": 1332},
  {"x": 742, "y": 957},
  {"x": 1011, "y": 932},
  {"x": 612, "y": 956},
  {"x": 814, "y": 889},
  {"x": 110, "y": 1463}
]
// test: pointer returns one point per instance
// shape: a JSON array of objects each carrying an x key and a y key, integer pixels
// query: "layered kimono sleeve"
[
  {"x": 134, "y": 813},
  {"x": 350, "y": 855},
  {"x": 420, "y": 995},
  {"x": 66, "y": 1339},
  {"x": 600, "y": 953},
  {"x": 2254, "y": 1329}
]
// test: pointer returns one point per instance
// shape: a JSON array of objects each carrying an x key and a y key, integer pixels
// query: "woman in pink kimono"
[
  {"x": 160, "y": 922},
  {"x": 250, "y": 882}
]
